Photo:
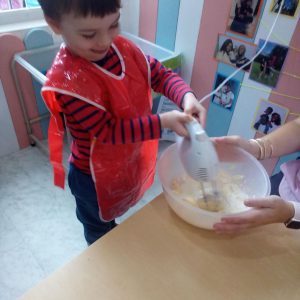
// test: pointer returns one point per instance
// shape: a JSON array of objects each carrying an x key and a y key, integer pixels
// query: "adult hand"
[
  {"x": 175, "y": 121},
  {"x": 248, "y": 145},
  {"x": 192, "y": 107},
  {"x": 272, "y": 209}
]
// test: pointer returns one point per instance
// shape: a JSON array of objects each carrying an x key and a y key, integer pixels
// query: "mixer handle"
[
  {"x": 204, "y": 151},
  {"x": 196, "y": 131}
]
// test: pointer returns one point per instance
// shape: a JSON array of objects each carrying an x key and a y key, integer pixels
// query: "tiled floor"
[{"x": 39, "y": 231}]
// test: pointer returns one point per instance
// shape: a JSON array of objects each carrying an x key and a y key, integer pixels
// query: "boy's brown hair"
[{"x": 54, "y": 9}]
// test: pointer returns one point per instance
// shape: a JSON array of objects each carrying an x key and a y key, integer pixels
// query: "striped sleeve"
[
  {"x": 167, "y": 82},
  {"x": 87, "y": 121}
]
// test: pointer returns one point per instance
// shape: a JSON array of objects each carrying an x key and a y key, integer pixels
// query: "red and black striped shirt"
[{"x": 86, "y": 121}]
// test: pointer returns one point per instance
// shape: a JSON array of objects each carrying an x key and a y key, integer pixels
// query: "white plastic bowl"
[{"x": 234, "y": 160}]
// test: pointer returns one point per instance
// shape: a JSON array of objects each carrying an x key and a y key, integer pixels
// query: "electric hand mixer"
[{"x": 199, "y": 157}]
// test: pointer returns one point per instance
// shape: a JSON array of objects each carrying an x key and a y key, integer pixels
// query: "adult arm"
[
  {"x": 284, "y": 140},
  {"x": 272, "y": 209}
]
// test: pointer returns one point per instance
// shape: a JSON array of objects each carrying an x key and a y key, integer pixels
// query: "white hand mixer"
[{"x": 199, "y": 157}]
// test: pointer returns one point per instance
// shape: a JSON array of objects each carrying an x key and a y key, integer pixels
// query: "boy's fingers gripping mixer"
[{"x": 200, "y": 159}]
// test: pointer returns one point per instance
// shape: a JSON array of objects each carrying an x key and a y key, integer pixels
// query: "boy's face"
[{"x": 88, "y": 37}]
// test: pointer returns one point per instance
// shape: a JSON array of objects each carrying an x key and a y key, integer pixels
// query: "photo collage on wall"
[
  {"x": 269, "y": 116},
  {"x": 234, "y": 52},
  {"x": 237, "y": 49},
  {"x": 289, "y": 8},
  {"x": 267, "y": 65},
  {"x": 244, "y": 17},
  {"x": 227, "y": 95}
]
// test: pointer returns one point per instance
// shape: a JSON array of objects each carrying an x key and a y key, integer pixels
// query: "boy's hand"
[
  {"x": 272, "y": 209},
  {"x": 192, "y": 107},
  {"x": 175, "y": 121}
]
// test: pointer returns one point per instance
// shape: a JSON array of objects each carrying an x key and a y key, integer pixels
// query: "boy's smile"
[{"x": 89, "y": 37}]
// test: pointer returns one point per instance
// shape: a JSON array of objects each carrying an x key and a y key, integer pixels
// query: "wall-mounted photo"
[
  {"x": 269, "y": 116},
  {"x": 226, "y": 96},
  {"x": 234, "y": 52},
  {"x": 244, "y": 16},
  {"x": 289, "y": 8},
  {"x": 268, "y": 64}
]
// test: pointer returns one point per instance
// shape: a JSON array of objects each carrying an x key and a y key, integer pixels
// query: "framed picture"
[
  {"x": 269, "y": 116},
  {"x": 244, "y": 16},
  {"x": 289, "y": 8},
  {"x": 267, "y": 66},
  {"x": 226, "y": 96},
  {"x": 234, "y": 52}
]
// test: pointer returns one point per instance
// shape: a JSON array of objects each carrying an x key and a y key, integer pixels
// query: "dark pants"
[
  {"x": 87, "y": 211},
  {"x": 275, "y": 181}
]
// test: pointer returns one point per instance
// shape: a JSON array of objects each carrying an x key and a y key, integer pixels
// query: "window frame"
[{"x": 21, "y": 18}]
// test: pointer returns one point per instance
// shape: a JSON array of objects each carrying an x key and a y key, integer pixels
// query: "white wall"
[
  {"x": 130, "y": 15},
  {"x": 187, "y": 34}
]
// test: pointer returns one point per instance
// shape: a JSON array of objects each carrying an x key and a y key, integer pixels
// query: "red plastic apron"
[{"x": 122, "y": 173}]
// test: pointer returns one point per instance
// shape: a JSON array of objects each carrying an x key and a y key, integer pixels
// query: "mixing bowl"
[{"x": 233, "y": 160}]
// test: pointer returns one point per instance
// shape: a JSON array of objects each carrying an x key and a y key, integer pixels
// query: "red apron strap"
[{"x": 55, "y": 140}]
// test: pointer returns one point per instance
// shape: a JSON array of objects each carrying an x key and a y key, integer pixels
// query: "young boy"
[{"x": 102, "y": 82}]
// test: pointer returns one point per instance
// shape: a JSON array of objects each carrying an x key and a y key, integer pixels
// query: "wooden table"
[{"x": 155, "y": 255}]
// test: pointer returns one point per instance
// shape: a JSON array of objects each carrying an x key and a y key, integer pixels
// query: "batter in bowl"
[{"x": 230, "y": 197}]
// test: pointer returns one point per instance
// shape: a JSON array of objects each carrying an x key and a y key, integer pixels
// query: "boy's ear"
[{"x": 55, "y": 25}]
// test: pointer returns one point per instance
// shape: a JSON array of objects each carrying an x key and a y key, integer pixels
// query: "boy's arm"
[
  {"x": 83, "y": 118},
  {"x": 167, "y": 82},
  {"x": 171, "y": 85}
]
